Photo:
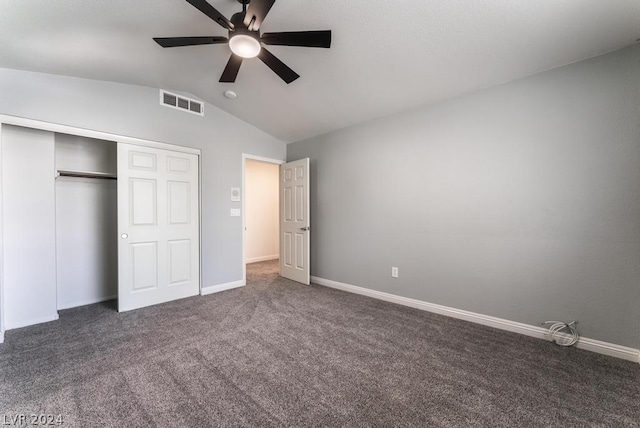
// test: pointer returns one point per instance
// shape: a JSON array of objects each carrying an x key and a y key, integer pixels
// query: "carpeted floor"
[{"x": 276, "y": 353}]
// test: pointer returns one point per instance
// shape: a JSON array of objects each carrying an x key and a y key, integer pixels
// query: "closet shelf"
[{"x": 87, "y": 174}]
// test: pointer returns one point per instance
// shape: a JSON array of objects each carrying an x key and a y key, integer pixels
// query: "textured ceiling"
[{"x": 387, "y": 56}]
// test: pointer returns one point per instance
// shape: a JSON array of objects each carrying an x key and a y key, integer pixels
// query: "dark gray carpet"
[{"x": 276, "y": 353}]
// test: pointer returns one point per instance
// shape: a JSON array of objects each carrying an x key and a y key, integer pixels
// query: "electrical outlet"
[{"x": 394, "y": 272}]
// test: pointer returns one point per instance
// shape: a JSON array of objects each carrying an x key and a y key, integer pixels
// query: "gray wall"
[
  {"x": 521, "y": 201},
  {"x": 135, "y": 111}
]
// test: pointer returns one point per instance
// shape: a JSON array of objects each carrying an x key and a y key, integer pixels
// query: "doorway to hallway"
[{"x": 261, "y": 214}]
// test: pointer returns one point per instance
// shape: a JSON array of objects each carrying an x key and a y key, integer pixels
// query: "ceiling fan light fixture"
[{"x": 244, "y": 45}]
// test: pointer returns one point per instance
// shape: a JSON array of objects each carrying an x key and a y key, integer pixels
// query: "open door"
[
  {"x": 158, "y": 251},
  {"x": 294, "y": 221}
]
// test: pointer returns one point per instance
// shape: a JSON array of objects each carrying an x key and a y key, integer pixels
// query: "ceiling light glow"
[{"x": 244, "y": 46}]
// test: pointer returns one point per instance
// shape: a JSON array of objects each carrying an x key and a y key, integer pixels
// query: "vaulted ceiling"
[{"x": 387, "y": 56}]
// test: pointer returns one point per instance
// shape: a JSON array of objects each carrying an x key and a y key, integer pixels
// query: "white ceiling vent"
[{"x": 181, "y": 103}]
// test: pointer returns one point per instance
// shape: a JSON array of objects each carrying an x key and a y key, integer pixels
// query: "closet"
[{"x": 85, "y": 218}]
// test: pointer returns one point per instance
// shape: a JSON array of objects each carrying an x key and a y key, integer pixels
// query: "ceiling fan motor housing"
[
  {"x": 238, "y": 20},
  {"x": 243, "y": 41},
  {"x": 240, "y": 28}
]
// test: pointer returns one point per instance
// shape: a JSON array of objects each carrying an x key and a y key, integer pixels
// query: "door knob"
[
  {"x": 305, "y": 228},
  {"x": 124, "y": 236}
]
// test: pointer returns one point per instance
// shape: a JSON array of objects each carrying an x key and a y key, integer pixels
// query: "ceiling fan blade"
[
  {"x": 310, "y": 39},
  {"x": 172, "y": 42},
  {"x": 256, "y": 12},
  {"x": 211, "y": 12},
  {"x": 278, "y": 67},
  {"x": 231, "y": 70}
]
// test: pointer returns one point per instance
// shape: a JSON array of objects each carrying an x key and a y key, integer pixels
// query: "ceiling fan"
[{"x": 246, "y": 41}]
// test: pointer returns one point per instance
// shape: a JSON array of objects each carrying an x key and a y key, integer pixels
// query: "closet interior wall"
[{"x": 86, "y": 222}]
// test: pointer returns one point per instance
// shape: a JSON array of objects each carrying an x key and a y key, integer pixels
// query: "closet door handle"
[{"x": 124, "y": 236}]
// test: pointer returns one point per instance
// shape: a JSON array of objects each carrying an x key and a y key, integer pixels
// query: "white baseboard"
[
  {"x": 262, "y": 258},
  {"x": 613, "y": 350},
  {"x": 33, "y": 321},
  {"x": 1, "y": 336},
  {"x": 222, "y": 287},
  {"x": 87, "y": 302}
]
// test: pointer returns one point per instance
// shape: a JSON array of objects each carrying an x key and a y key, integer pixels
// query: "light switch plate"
[{"x": 235, "y": 212}]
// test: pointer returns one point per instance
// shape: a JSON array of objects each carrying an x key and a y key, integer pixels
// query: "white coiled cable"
[{"x": 563, "y": 334}]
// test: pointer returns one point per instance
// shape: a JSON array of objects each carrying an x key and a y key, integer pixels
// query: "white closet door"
[
  {"x": 294, "y": 221},
  {"x": 29, "y": 227},
  {"x": 158, "y": 253}
]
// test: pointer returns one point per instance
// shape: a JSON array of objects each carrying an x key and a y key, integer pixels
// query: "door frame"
[
  {"x": 82, "y": 132},
  {"x": 245, "y": 157},
  {"x": 1, "y": 244},
  {"x": 99, "y": 135}
]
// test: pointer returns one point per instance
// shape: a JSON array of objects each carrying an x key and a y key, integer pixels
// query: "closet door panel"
[
  {"x": 144, "y": 262},
  {"x": 28, "y": 216},
  {"x": 142, "y": 195},
  {"x": 158, "y": 249},
  {"x": 179, "y": 206},
  {"x": 179, "y": 261}
]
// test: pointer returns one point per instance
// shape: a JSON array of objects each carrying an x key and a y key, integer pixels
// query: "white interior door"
[
  {"x": 158, "y": 251},
  {"x": 294, "y": 221}
]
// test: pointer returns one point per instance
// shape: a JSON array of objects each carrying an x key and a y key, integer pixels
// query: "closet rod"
[{"x": 83, "y": 174}]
